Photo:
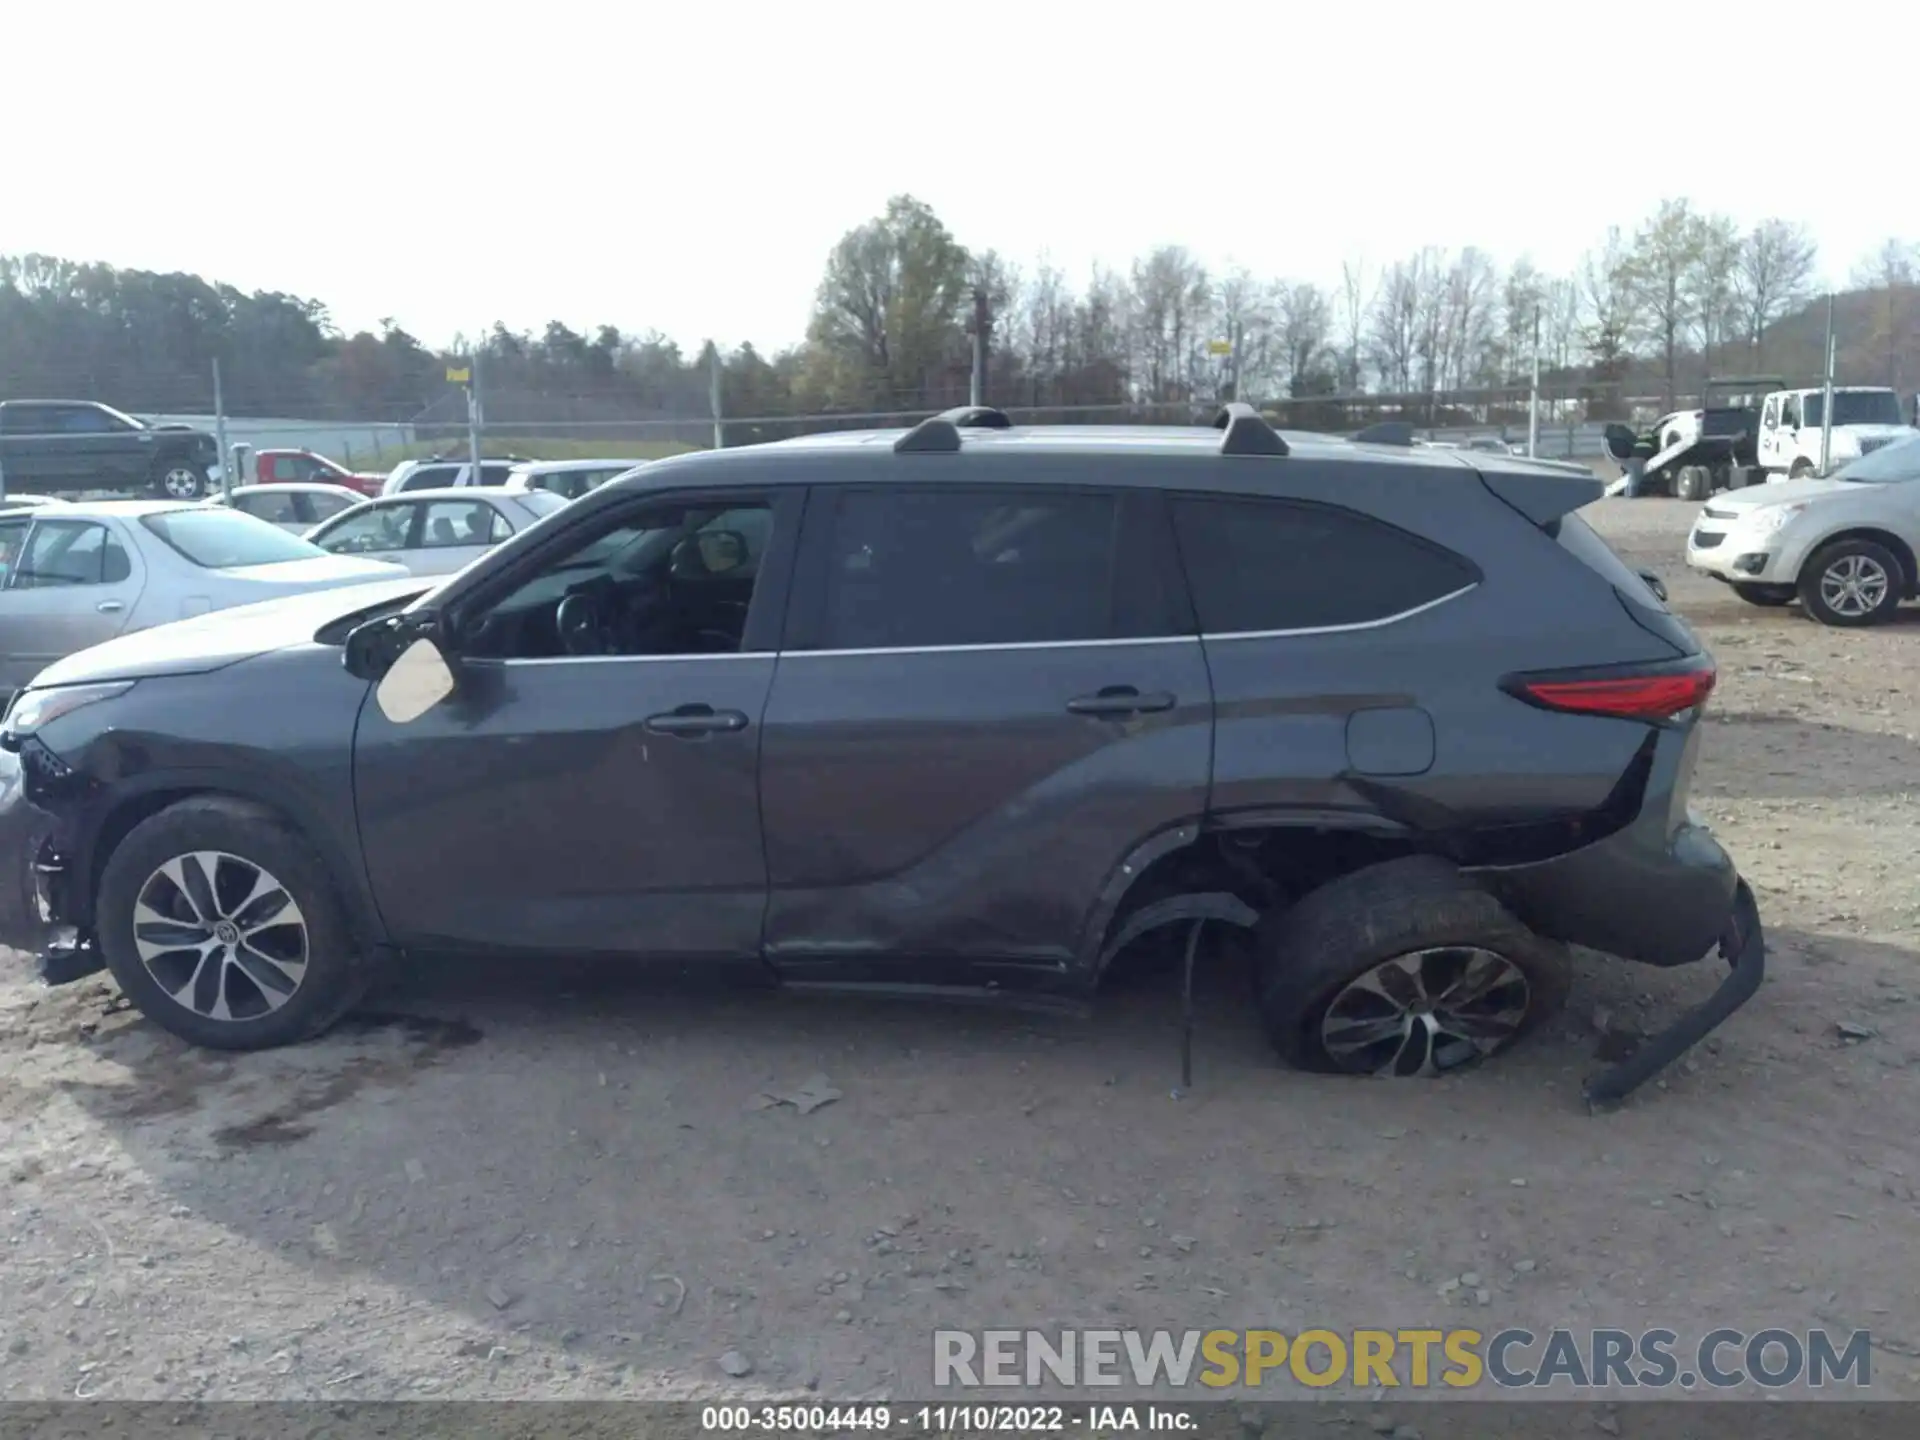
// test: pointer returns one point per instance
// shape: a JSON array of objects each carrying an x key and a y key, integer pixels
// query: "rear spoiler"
[{"x": 1543, "y": 490}]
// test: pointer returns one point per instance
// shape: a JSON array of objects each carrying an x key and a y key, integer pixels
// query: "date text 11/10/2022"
[{"x": 945, "y": 1419}]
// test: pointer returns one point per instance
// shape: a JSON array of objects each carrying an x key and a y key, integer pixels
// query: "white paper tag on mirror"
[{"x": 418, "y": 681}]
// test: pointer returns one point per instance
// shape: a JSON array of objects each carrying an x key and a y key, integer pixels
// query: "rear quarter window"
[{"x": 1276, "y": 565}]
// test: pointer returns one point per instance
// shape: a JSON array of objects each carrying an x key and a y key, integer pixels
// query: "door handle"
[
  {"x": 1121, "y": 700},
  {"x": 696, "y": 720},
  {"x": 110, "y": 607}
]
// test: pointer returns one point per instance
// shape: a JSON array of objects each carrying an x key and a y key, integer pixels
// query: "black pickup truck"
[{"x": 53, "y": 447}]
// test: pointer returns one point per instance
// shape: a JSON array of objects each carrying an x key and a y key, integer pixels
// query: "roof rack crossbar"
[
  {"x": 1247, "y": 431},
  {"x": 1386, "y": 432},
  {"x": 934, "y": 435},
  {"x": 977, "y": 417}
]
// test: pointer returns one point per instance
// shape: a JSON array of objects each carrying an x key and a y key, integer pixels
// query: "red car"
[{"x": 278, "y": 466}]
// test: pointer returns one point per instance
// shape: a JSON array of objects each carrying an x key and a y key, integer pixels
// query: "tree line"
[{"x": 1649, "y": 311}]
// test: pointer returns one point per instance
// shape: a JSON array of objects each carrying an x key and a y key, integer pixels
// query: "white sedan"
[
  {"x": 295, "y": 506},
  {"x": 75, "y": 576},
  {"x": 1844, "y": 547},
  {"x": 434, "y": 532}
]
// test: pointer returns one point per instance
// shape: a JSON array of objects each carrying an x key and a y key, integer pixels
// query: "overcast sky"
[{"x": 688, "y": 166}]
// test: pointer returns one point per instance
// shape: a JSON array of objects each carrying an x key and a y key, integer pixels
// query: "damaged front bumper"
[
  {"x": 1743, "y": 946},
  {"x": 34, "y": 880}
]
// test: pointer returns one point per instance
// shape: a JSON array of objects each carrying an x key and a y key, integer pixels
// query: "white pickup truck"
[{"x": 1865, "y": 417}]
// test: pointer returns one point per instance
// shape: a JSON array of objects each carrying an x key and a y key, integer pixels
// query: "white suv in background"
[
  {"x": 438, "y": 474},
  {"x": 569, "y": 479}
]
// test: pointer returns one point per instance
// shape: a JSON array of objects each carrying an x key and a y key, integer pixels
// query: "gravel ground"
[{"x": 501, "y": 1185}]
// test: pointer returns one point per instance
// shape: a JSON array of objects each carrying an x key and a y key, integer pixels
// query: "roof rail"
[
  {"x": 934, "y": 435},
  {"x": 977, "y": 417},
  {"x": 1247, "y": 431},
  {"x": 1386, "y": 432}
]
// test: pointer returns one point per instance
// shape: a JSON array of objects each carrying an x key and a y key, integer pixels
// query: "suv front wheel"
[
  {"x": 1852, "y": 583},
  {"x": 222, "y": 925},
  {"x": 1402, "y": 969}
]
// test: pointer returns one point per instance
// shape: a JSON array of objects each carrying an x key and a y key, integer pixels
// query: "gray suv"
[{"x": 966, "y": 707}]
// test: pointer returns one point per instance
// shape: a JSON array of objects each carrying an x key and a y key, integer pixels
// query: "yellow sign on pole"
[
  {"x": 460, "y": 376},
  {"x": 1219, "y": 347}
]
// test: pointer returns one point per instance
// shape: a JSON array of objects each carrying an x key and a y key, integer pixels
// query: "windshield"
[
  {"x": 1889, "y": 465},
  {"x": 1855, "y": 407},
  {"x": 217, "y": 539}
]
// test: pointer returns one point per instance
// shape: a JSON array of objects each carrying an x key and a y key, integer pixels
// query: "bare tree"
[
  {"x": 1393, "y": 326},
  {"x": 1471, "y": 285},
  {"x": 1305, "y": 335},
  {"x": 1043, "y": 329},
  {"x": 1606, "y": 299},
  {"x": 1244, "y": 317},
  {"x": 1523, "y": 299},
  {"x": 1892, "y": 274},
  {"x": 1564, "y": 311},
  {"x": 1171, "y": 294},
  {"x": 1772, "y": 277},
  {"x": 1356, "y": 302},
  {"x": 1662, "y": 268},
  {"x": 1716, "y": 305}
]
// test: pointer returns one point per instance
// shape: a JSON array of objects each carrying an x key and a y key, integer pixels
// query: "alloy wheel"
[
  {"x": 1854, "y": 586},
  {"x": 181, "y": 482},
  {"x": 221, "y": 936},
  {"x": 1426, "y": 1012}
]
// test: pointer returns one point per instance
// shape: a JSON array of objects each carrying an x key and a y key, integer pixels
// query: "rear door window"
[
  {"x": 1257, "y": 566},
  {"x": 454, "y": 523},
  {"x": 71, "y": 552},
  {"x": 930, "y": 568},
  {"x": 276, "y": 507}
]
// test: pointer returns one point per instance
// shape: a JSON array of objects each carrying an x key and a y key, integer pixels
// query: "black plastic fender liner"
[
  {"x": 1198, "y": 908},
  {"x": 1744, "y": 947},
  {"x": 1194, "y": 911}
]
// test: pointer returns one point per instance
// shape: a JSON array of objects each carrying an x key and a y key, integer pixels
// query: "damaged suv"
[{"x": 967, "y": 707}]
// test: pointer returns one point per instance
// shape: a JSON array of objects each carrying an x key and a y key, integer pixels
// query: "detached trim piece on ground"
[{"x": 1744, "y": 948}]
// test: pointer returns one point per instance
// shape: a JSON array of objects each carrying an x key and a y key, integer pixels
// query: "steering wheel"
[{"x": 583, "y": 628}]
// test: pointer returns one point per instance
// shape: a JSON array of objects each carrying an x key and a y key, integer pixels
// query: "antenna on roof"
[
  {"x": 934, "y": 435},
  {"x": 977, "y": 417},
  {"x": 1386, "y": 432},
  {"x": 1248, "y": 432}
]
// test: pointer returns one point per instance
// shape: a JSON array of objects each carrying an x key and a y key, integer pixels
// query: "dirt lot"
[{"x": 491, "y": 1189}]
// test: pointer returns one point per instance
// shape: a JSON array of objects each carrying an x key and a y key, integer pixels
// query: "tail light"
[{"x": 1662, "y": 691}]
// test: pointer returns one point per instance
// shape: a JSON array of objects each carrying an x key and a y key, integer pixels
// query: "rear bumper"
[{"x": 1663, "y": 903}]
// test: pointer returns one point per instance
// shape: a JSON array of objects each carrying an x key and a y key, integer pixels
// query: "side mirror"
[
  {"x": 370, "y": 648},
  {"x": 1620, "y": 441},
  {"x": 375, "y": 646}
]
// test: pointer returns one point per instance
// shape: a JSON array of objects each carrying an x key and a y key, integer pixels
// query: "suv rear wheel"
[
  {"x": 1851, "y": 583},
  {"x": 1402, "y": 969},
  {"x": 221, "y": 924}
]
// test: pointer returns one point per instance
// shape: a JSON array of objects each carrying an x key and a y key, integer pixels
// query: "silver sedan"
[{"x": 74, "y": 576}]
